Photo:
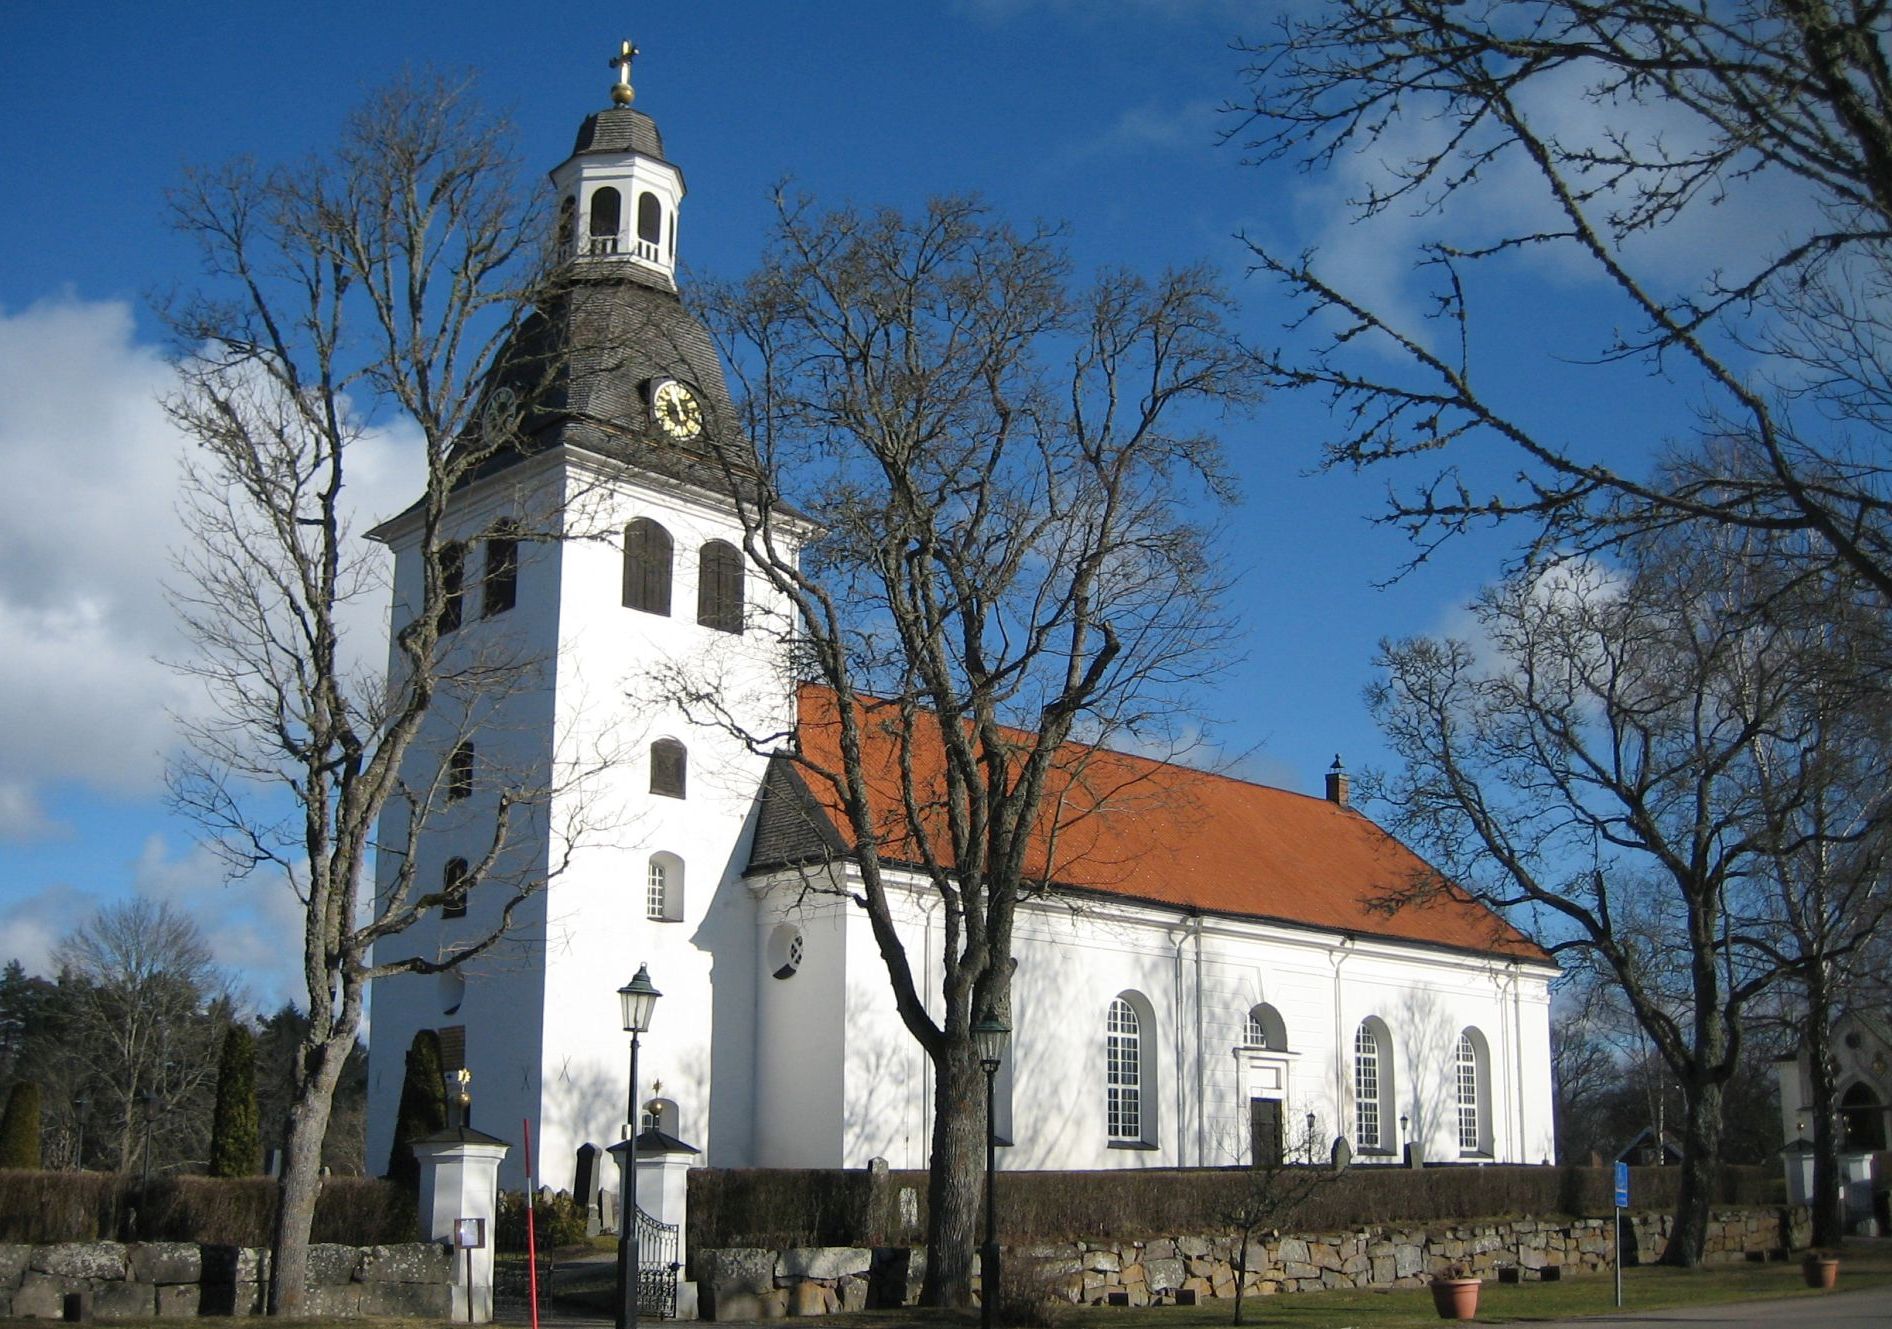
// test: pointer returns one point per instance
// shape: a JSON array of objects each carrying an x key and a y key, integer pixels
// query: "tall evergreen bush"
[
  {"x": 423, "y": 1109},
  {"x": 19, "y": 1128},
  {"x": 236, "y": 1144}
]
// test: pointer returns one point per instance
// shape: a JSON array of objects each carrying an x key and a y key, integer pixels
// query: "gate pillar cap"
[{"x": 653, "y": 1141}]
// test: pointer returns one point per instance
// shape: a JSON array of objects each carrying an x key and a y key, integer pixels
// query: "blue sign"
[{"x": 1622, "y": 1185}]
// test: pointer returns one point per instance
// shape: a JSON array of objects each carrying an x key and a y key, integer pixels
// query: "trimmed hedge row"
[
  {"x": 42, "y": 1207},
  {"x": 813, "y": 1207}
]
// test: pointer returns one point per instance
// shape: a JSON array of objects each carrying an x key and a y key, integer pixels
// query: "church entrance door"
[{"x": 1264, "y": 1131}]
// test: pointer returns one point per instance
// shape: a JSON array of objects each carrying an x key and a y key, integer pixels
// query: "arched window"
[
  {"x": 567, "y": 223},
  {"x": 1123, "y": 1063},
  {"x": 1130, "y": 1069},
  {"x": 1372, "y": 1086},
  {"x": 650, "y": 223},
  {"x": 607, "y": 217},
  {"x": 452, "y": 585},
  {"x": 453, "y": 886},
  {"x": 647, "y": 567},
  {"x": 499, "y": 590},
  {"x": 719, "y": 587},
  {"x": 1862, "y": 1119},
  {"x": 460, "y": 773},
  {"x": 1472, "y": 1079},
  {"x": 1265, "y": 1029},
  {"x": 669, "y": 767},
  {"x": 663, "y": 889}
]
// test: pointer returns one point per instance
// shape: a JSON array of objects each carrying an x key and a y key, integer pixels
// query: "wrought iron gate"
[{"x": 656, "y": 1266}]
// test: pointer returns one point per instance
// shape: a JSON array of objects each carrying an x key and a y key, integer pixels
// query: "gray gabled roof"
[{"x": 791, "y": 831}]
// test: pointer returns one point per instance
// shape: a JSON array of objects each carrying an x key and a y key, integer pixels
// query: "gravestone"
[
  {"x": 585, "y": 1185},
  {"x": 1342, "y": 1152}
]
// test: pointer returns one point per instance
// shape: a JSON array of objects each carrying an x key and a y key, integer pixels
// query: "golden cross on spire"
[{"x": 621, "y": 93}]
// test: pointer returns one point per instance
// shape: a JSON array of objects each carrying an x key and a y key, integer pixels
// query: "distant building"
[
  {"x": 1862, "y": 1053},
  {"x": 1210, "y": 978}
]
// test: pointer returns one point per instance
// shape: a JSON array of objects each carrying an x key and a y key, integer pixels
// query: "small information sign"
[
  {"x": 469, "y": 1234},
  {"x": 1622, "y": 1185}
]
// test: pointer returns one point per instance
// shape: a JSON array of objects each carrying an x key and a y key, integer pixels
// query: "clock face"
[{"x": 679, "y": 414}]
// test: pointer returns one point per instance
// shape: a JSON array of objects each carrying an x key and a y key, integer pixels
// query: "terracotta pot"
[
  {"x": 1455, "y": 1298},
  {"x": 1820, "y": 1270}
]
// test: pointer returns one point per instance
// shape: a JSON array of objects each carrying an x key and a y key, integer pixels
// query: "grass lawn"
[{"x": 1643, "y": 1289}]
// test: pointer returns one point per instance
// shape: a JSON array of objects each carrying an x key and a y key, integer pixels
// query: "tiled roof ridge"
[{"x": 867, "y": 700}]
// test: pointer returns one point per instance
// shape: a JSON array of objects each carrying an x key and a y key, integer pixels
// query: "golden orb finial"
[{"x": 621, "y": 92}]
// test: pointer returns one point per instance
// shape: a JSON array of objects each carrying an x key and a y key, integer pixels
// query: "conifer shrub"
[
  {"x": 19, "y": 1127},
  {"x": 422, "y": 1111},
  {"x": 236, "y": 1143}
]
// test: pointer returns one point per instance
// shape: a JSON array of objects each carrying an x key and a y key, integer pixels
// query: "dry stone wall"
[
  {"x": 178, "y": 1280},
  {"x": 754, "y": 1283}
]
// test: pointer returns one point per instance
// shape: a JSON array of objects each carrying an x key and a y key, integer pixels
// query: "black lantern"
[{"x": 638, "y": 999}]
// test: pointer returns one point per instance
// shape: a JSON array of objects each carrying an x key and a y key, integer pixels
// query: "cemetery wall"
[
  {"x": 179, "y": 1280},
  {"x": 743, "y": 1283}
]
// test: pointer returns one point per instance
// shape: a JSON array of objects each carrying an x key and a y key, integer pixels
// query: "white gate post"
[{"x": 459, "y": 1178}]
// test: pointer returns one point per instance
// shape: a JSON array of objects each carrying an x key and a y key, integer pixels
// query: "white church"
[{"x": 1224, "y": 986}]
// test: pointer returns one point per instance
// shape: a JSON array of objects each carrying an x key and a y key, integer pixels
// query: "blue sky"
[{"x": 1103, "y": 114}]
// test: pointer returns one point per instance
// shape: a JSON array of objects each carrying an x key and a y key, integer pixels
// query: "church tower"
[{"x": 608, "y": 524}]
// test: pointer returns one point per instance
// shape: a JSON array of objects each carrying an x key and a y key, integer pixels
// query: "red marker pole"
[{"x": 532, "y": 1239}]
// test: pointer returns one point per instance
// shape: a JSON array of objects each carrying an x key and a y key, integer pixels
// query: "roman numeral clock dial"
[{"x": 678, "y": 412}]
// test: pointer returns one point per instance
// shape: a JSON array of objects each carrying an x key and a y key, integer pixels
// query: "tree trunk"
[
  {"x": 1828, "y": 1200},
  {"x": 301, "y": 1182},
  {"x": 1701, "y": 1161},
  {"x": 956, "y": 1176}
]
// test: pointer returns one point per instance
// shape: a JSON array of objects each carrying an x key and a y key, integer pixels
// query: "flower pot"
[
  {"x": 1455, "y": 1298},
  {"x": 1820, "y": 1270}
]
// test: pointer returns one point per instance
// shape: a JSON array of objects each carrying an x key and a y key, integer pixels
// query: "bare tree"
[
  {"x": 1596, "y": 767},
  {"x": 1005, "y": 570},
  {"x": 136, "y": 1032},
  {"x": 1273, "y": 1193},
  {"x": 1574, "y": 130},
  {"x": 373, "y": 286},
  {"x": 1824, "y": 829}
]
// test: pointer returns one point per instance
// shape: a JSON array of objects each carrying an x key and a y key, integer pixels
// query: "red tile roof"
[{"x": 1164, "y": 834}]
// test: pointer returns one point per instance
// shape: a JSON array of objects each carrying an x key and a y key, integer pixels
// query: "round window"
[{"x": 785, "y": 950}]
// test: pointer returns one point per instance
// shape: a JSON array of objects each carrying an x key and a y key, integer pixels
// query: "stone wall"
[
  {"x": 177, "y": 1280},
  {"x": 752, "y": 1283}
]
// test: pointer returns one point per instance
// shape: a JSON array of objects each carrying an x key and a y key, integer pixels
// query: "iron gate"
[{"x": 656, "y": 1266}]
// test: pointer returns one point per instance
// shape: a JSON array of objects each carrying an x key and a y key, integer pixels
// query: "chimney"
[{"x": 1337, "y": 782}]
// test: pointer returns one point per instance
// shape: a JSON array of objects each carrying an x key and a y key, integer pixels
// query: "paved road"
[{"x": 1869, "y": 1306}]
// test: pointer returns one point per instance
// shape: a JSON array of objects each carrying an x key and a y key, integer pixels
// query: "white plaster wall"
[
  {"x": 498, "y": 996},
  {"x": 806, "y": 1033},
  {"x": 1073, "y": 962},
  {"x": 545, "y": 1040},
  {"x": 615, "y": 698}
]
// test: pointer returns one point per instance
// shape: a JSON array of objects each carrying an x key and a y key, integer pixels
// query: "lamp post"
[
  {"x": 989, "y": 1036},
  {"x": 638, "y": 999}
]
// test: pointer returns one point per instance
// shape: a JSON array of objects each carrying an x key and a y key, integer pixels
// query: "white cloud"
[
  {"x": 32, "y": 925},
  {"x": 89, "y": 469},
  {"x": 253, "y": 927}
]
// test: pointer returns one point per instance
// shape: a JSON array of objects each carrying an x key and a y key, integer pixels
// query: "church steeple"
[{"x": 618, "y": 197}]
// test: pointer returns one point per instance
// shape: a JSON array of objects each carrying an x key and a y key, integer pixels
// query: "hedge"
[
  {"x": 812, "y": 1207},
  {"x": 42, "y": 1207}
]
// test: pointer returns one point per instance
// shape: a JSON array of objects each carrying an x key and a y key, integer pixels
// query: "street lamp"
[
  {"x": 638, "y": 998},
  {"x": 989, "y": 1036}
]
